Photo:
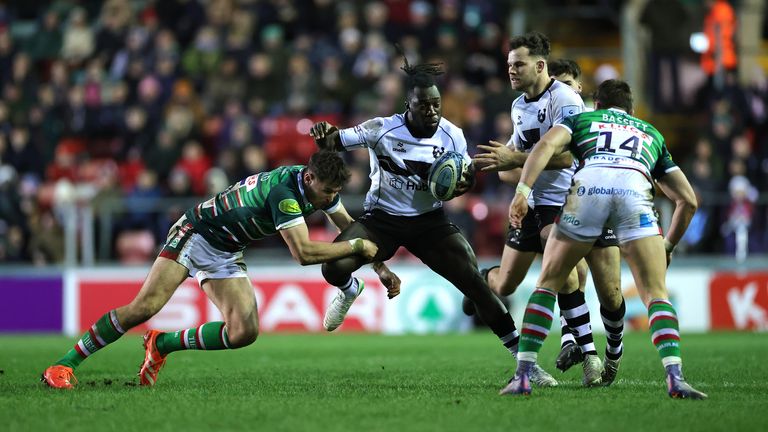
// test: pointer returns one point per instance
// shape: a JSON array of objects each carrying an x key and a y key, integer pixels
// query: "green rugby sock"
[
  {"x": 536, "y": 322},
  {"x": 102, "y": 333},
  {"x": 665, "y": 334},
  {"x": 209, "y": 336}
]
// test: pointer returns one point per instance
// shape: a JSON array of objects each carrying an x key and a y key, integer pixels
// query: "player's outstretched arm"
[
  {"x": 552, "y": 143},
  {"x": 326, "y": 136},
  {"x": 501, "y": 157},
  {"x": 306, "y": 251},
  {"x": 498, "y": 157},
  {"x": 677, "y": 188}
]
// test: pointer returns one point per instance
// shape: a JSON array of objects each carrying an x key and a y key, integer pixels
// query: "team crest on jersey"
[
  {"x": 437, "y": 151},
  {"x": 289, "y": 206},
  {"x": 542, "y": 115}
]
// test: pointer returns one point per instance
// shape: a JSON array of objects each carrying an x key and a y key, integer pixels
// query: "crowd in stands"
[{"x": 128, "y": 106}]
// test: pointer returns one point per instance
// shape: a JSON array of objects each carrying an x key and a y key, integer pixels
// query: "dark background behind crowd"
[{"x": 138, "y": 109}]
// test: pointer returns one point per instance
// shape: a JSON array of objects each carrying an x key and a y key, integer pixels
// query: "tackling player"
[{"x": 207, "y": 243}]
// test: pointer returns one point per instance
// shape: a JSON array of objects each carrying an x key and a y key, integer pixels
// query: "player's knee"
[
  {"x": 243, "y": 334},
  {"x": 507, "y": 283},
  {"x": 139, "y": 311},
  {"x": 334, "y": 272}
]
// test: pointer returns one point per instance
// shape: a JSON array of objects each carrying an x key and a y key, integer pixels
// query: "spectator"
[
  {"x": 45, "y": 44},
  {"x": 667, "y": 24},
  {"x": 195, "y": 163},
  {"x": 78, "y": 38}
]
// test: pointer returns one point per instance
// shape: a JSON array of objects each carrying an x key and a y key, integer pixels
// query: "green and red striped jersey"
[
  {"x": 613, "y": 134},
  {"x": 254, "y": 208}
]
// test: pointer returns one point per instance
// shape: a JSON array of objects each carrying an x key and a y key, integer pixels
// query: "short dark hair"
[
  {"x": 420, "y": 75},
  {"x": 329, "y": 168},
  {"x": 614, "y": 93},
  {"x": 537, "y": 43},
  {"x": 564, "y": 66}
]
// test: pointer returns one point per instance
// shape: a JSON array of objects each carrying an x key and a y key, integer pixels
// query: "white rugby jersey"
[
  {"x": 532, "y": 119},
  {"x": 400, "y": 163}
]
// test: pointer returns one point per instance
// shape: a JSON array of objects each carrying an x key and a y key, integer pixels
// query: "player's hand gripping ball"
[{"x": 445, "y": 173}]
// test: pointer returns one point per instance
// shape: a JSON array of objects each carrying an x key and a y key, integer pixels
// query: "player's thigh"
[
  {"x": 560, "y": 258},
  {"x": 576, "y": 279},
  {"x": 453, "y": 258},
  {"x": 337, "y": 272},
  {"x": 164, "y": 277},
  {"x": 648, "y": 262},
  {"x": 605, "y": 265},
  {"x": 357, "y": 229},
  {"x": 235, "y": 299},
  {"x": 512, "y": 270}
]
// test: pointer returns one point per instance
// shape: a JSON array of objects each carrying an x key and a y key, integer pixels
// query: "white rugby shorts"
[{"x": 618, "y": 197}]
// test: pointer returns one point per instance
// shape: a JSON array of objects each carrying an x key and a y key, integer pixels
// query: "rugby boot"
[
  {"x": 610, "y": 370},
  {"x": 570, "y": 355},
  {"x": 540, "y": 377},
  {"x": 593, "y": 370},
  {"x": 520, "y": 384},
  {"x": 153, "y": 360},
  {"x": 678, "y": 388},
  {"x": 60, "y": 377},
  {"x": 339, "y": 307}
]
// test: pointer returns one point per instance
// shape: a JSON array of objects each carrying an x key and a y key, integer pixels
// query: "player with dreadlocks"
[{"x": 400, "y": 210}]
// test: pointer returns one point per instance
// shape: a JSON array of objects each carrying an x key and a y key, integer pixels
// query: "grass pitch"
[{"x": 379, "y": 383}]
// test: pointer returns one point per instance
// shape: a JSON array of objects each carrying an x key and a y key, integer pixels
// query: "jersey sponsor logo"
[
  {"x": 580, "y": 190},
  {"x": 598, "y": 190},
  {"x": 542, "y": 115},
  {"x": 410, "y": 185},
  {"x": 289, "y": 206},
  {"x": 570, "y": 110},
  {"x": 647, "y": 220},
  {"x": 396, "y": 182},
  {"x": 416, "y": 186},
  {"x": 570, "y": 219}
]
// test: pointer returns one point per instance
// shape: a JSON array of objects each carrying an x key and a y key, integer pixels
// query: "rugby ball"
[{"x": 445, "y": 172}]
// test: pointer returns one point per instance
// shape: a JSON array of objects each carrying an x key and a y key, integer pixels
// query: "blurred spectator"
[
  {"x": 720, "y": 29},
  {"x": 78, "y": 38},
  {"x": 46, "y": 243},
  {"x": 667, "y": 22},
  {"x": 140, "y": 203},
  {"x": 195, "y": 163},
  {"x": 115, "y": 18},
  {"x": 203, "y": 57},
  {"x": 227, "y": 83},
  {"x": 736, "y": 230},
  {"x": 7, "y": 53},
  {"x": 45, "y": 44},
  {"x": 164, "y": 154}
]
